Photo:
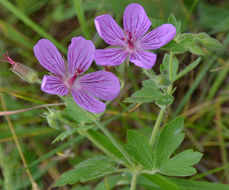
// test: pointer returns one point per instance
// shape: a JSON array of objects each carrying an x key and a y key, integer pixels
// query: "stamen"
[
  {"x": 73, "y": 78},
  {"x": 6, "y": 58}
]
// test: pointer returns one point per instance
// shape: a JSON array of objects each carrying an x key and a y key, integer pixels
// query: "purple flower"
[
  {"x": 132, "y": 42},
  {"x": 84, "y": 89}
]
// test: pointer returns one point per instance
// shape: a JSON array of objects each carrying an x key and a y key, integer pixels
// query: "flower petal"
[
  {"x": 109, "y": 30},
  {"x": 143, "y": 59},
  {"x": 158, "y": 37},
  {"x": 80, "y": 55},
  {"x": 110, "y": 56},
  {"x": 88, "y": 102},
  {"x": 49, "y": 57},
  {"x": 135, "y": 20},
  {"x": 53, "y": 85},
  {"x": 101, "y": 84}
]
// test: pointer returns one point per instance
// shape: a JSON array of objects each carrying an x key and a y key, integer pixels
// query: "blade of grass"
[
  {"x": 221, "y": 140},
  {"x": 162, "y": 182},
  {"x": 6, "y": 170},
  {"x": 34, "y": 184},
  {"x": 18, "y": 13},
  {"x": 80, "y": 14},
  {"x": 14, "y": 35},
  {"x": 75, "y": 140},
  {"x": 199, "y": 176}
]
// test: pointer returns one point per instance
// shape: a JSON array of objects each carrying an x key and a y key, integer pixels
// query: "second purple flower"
[
  {"x": 85, "y": 89},
  {"x": 132, "y": 42}
]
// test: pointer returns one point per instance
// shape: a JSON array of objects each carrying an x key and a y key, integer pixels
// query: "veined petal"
[
  {"x": 135, "y": 20},
  {"x": 53, "y": 85},
  {"x": 110, "y": 56},
  {"x": 80, "y": 55},
  {"x": 88, "y": 102},
  {"x": 143, "y": 59},
  {"x": 109, "y": 30},
  {"x": 158, "y": 37},
  {"x": 101, "y": 84},
  {"x": 49, "y": 57}
]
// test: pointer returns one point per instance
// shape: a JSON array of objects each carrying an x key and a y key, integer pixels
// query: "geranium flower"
[
  {"x": 85, "y": 89},
  {"x": 133, "y": 42}
]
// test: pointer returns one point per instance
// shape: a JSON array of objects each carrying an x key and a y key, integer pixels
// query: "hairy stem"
[
  {"x": 93, "y": 140},
  {"x": 162, "y": 110},
  {"x": 134, "y": 181},
  {"x": 114, "y": 142},
  {"x": 156, "y": 126}
]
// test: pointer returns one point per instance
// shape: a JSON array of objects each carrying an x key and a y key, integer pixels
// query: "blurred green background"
[{"x": 202, "y": 96}]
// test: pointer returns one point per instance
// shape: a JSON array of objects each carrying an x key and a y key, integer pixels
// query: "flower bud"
[
  {"x": 51, "y": 118},
  {"x": 163, "y": 81},
  {"x": 25, "y": 73}
]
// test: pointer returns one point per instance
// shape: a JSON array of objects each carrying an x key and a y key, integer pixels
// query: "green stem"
[
  {"x": 134, "y": 181},
  {"x": 112, "y": 139},
  {"x": 157, "y": 126},
  {"x": 92, "y": 139},
  {"x": 100, "y": 146},
  {"x": 170, "y": 88},
  {"x": 162, "y": 110},
  {"x": 171, "y": 66}
]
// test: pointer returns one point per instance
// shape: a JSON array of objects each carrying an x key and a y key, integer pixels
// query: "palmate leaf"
[
  {"x": 88, "y": 170},
  {"x": 150, "y": 92},
  {"x": 170, "y": 138},
  {"x": 198, "y": 44},
  {"x": 138, "y": 147}
]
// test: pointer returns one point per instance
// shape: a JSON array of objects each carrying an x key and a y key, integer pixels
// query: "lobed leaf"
[
  {"x": 88, "y": 170},
  {"x": 150, "y": 92},
  {"x": 169, "y": 140},
  {"x": 138, "y": 147}
]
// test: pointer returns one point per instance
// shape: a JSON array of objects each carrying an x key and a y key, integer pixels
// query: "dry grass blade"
[{"x": 34, "y": 184}]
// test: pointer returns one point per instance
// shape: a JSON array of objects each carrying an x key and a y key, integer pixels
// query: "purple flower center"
[
  {"x": 71, "y": 81},
  {"x": 130, "y": 42}
]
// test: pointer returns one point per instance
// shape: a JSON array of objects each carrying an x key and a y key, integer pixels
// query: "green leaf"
[
  {"x": 172, "y": 20},
  {"x": 187, "y": 69},
  {"x": 151, "y": 91},
  {"x": 164, "y": 100},
  {"x": 161, "y": 181},
  {"x": 140, "y": 149},
  {"x": 75, "y": 112},
  {"x": 164, "y": 67},
  {"x": 64, "y": 135},
  {"x": 198, "y": 44},
  {"x": 102, "y": 139},
  {"x": 111, "y": 181},
  {"x": 88, "y": 170},
  {"x": 148, "y": 93},
  {"x": 183, "y": 162},
  {"x": 169, "y": 140}
]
